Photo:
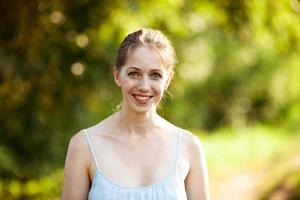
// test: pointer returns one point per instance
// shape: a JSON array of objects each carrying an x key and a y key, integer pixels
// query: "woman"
[{"x": 135, "y": 154}]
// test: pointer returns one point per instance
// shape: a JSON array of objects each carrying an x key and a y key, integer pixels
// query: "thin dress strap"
[
  {"x": 178, "y": 148},
  {"x": 91, "y": 147}
]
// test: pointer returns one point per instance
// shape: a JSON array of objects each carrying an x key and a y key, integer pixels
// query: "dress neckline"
[{"x": 98, "y": 172}]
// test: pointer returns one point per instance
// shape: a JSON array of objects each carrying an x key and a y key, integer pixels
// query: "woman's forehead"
[{"x": 144, "y": 57}]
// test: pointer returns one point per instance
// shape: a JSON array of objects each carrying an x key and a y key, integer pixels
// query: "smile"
[{"x": 142, "y": 99}]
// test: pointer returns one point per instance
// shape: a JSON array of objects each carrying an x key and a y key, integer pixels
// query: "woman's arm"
[
  {"x": 196, "y": 182},
  {"x": 76, "y": 172}
]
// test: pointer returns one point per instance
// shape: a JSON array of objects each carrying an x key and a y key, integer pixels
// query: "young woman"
[{"x": 135, "y": 154}]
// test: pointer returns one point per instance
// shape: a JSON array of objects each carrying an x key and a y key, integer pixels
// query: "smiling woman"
[
  {"x": 135, "y": 153},
  {"x": 142, "y": 79}
]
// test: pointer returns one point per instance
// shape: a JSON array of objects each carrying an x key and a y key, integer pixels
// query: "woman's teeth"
[{"x": 142, "y": 98}]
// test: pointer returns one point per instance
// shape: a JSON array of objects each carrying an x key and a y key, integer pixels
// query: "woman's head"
[
  {"x": 144, "y": 68},
  {"x": 147, "y": 37}
]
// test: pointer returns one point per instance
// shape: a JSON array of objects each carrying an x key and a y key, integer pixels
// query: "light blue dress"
[{"x": 170, "y": 188}]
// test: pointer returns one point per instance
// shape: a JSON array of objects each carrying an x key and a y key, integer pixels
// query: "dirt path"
[
  {"x": 241, "y": 186},
  {"x": 247, "y": 185}
]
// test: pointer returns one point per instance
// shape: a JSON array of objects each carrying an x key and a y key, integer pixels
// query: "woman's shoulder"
[
  {"x": 78, "y": 153},
  {"x": 78, "y": 142},
  {"x": 188, "y": 136},
  {"x": 191, "y": 142}
]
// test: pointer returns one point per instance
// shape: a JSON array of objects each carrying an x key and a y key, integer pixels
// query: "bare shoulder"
[
  {"x": 78, "y": 141},
  {"x": 196, "y": 182},
  {"x": 190, "y": 139},
  {"x": 76, "y": 170},
  {"x": 192, "y": 144},
  {"x": 78, "y": 148}
]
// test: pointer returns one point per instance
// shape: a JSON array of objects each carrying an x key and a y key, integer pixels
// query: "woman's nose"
[{"x": 144, "y": 84}]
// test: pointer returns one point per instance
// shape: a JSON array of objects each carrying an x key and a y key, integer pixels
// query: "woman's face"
[{"x": 142, "y": 79}]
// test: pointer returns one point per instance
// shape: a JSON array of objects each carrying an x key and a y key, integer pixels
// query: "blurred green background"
[{"x": 237, "y": 86}]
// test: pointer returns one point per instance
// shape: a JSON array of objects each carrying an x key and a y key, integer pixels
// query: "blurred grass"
[{"x": 228, "y": 152}]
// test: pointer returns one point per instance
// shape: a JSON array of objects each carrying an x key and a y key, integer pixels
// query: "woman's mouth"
[{"x": 142, "y": 99}]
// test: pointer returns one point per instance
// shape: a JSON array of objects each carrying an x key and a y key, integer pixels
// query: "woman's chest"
[{"x": 137, "y": 165}]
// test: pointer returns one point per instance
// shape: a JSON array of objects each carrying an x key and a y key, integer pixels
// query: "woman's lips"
[{"x": 142, "y": 99}]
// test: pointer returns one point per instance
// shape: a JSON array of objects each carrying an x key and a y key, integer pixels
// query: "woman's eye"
[
  {"x": 133, "y": 74},
  {"x": 156, "y": 75}
]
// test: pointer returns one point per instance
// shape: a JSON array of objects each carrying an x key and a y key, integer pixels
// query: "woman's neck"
[{"x": 138, "y": 124}]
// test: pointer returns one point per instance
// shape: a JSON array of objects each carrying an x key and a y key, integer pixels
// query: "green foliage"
[
  {"x": 45, "y": 188},
  {"x": 236, "y": 68}
]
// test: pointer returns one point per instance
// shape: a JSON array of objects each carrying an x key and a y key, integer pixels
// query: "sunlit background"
[{"x": 237, "y": 87}]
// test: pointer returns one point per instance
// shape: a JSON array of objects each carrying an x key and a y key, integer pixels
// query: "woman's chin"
[{"x": 143, "y": 109}]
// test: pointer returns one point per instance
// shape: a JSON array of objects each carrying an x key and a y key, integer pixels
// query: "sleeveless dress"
[{"x": 171, "y": 187}]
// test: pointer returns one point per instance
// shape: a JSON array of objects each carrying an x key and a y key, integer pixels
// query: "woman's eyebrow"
[
  {"x": 151, "y": 70},
  {"x": 156, "y": 70},
  {"x": 134, "y": 68}
]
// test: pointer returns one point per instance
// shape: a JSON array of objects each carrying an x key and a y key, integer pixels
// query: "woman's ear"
[{"x": 116, "y": 74}]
